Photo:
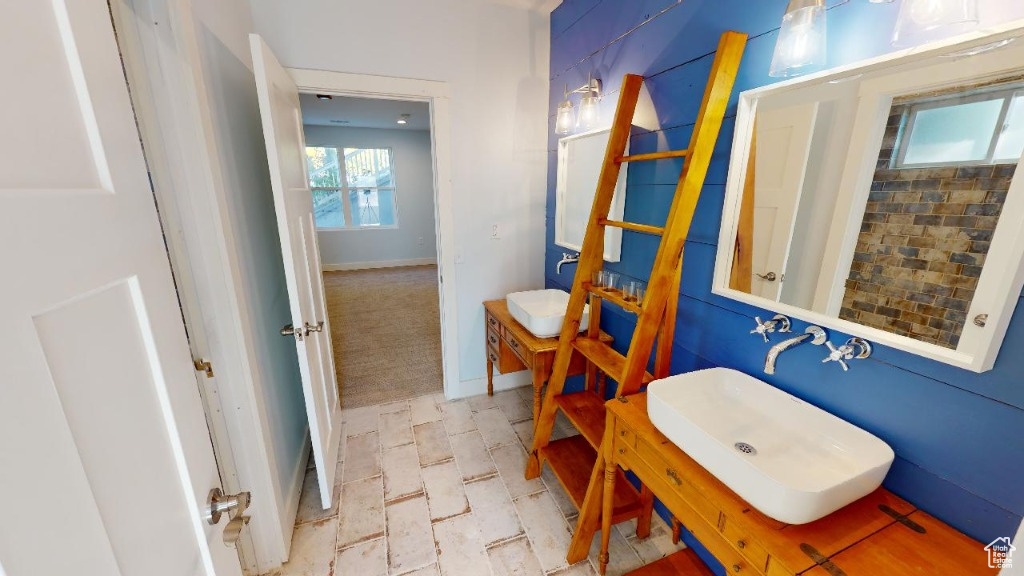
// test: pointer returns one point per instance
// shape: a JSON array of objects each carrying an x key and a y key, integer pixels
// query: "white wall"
[
  {"x": 414, "y": 239},
  {"x": 495, "y": 59},
  {"x": 222, "y": 30}
]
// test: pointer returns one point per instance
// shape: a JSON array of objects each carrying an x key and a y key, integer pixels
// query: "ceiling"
[{"x": 352, "y": 112}]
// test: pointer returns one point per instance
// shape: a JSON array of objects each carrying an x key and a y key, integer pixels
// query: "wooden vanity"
[
  {"x": 512, "y": 348},
  {"x": 880, "y": 534}
]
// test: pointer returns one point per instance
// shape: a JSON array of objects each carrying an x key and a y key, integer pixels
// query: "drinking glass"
[
  {"x": 610, "y": 280},
  {"x": 634, "y": 290}
]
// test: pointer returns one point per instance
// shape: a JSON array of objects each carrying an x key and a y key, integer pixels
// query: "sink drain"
[{"x": 745, "y": 448}]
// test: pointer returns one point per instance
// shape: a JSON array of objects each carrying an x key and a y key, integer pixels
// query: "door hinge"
[{"x": 203, "y": 365}]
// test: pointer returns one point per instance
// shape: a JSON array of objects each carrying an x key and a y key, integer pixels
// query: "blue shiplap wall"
[{"x": 958, "y": 436}]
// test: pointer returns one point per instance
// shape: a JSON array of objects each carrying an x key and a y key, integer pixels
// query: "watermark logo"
[{"x": 1000, "y": 553}]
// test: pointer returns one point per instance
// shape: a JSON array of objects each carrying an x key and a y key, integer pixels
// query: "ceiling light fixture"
[
  {"x": 324, "y": 97},
  {"x": 590, "y": 110},
  {"x": 403, "y": 119},
  {"x": 921, "y": 21},
  {"x": 801, "y": 46}
]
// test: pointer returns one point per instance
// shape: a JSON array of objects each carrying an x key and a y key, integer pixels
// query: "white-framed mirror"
[
  {"x": 580, "y": 158},
  {"x": 881, "y": 198}
]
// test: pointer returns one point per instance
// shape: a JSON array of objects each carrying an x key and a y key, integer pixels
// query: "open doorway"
[{"x": 371, "y": 172}]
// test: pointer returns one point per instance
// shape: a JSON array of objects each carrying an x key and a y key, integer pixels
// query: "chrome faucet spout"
[
  {"x": 566, "y": 259},
  {"x": 812, "y": 332}
]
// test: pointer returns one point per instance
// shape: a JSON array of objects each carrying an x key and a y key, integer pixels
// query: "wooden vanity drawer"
[
  {"x": 751, "y": 550},
  {"x": 493, "y": 340},
  {"x": 503, "y": 357},
  {"x": 626, "y": 437},
  {"x": 734, "y": 563},
  {"x": 654, "y": 458},
  {"x": 518, "y": 348},
  {"x": 492, "y": 322}
]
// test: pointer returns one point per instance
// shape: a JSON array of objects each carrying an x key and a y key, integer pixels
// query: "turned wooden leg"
[
  {"x": 490, "y": 375},
  {"x": 643, "y": 521},
  {"x": 538, "y": 388},
  {"x": 677, "y": 530},
  {"x": 610, "y": 472}
]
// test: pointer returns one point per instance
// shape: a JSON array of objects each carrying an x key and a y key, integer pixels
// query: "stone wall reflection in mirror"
[{"x": 942, "y": 177}]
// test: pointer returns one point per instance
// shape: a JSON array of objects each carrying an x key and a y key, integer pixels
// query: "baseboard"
[
  {"x": 478, "y": 386},
  {"x": 379, "y": 264},
  {"x": 292, "y": 494}
]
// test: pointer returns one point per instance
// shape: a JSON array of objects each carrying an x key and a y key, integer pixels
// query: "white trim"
[
  {"x": 1000, "y": 284},
  {"x": 502, "y": 382},
  {"x": 378, "y": 264},
  {"x": 437, "y": 95},
  {"x": 163, "y": 66}
]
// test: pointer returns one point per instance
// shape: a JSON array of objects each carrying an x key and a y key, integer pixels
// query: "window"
[
  {"x": 352, "y": 187},
  {"x": 967, "y": 128}
]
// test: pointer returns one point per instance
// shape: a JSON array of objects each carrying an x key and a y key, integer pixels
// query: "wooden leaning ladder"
[{"x": 571, "y": 458}]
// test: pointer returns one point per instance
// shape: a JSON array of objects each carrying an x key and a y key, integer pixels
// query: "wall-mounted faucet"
[
  {"x": 779, "y": 322},
  {"x": 567, "y": 258},
  {"x": 854, "y": 348},
  {"x": 813, "y": 333}
]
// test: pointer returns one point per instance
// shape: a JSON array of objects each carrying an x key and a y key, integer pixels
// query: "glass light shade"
[
  {"x": 802, "y": 43},
  {"x": 922, "y": 21},
  {"x": 590, "y": 113},
  {"x": 566, "y": 118}
]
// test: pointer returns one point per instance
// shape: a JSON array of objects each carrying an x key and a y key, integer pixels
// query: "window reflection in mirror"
[{"x": 943, "y": 172}]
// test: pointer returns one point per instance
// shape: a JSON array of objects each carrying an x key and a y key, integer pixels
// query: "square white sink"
[
  {"x": 792, "y": 461},
  {"x": 542, "y": 311}
]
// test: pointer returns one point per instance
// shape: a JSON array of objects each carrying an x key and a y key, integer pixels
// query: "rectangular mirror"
[
  {"x": 580, "y": 158},
  {"x": 880, "y": 199}
]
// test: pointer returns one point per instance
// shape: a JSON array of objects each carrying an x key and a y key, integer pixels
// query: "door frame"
[
  {"x": 160, "y": 51},
  {"x": 437, "y": 95}
]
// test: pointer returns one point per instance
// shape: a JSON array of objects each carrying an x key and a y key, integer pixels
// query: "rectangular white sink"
[
  {"x": 542, "y": 311},
  {"x": 792, "y": 461}
]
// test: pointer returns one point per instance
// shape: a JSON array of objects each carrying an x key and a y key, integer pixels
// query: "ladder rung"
[
  {"x": 607, "y": 360},
  {"x": 586, "y": 412},
  {"x": 653, "y": 156},
  {"x": 645, "y": 228},
  {"x": 613, "y": 296},
  {"x": 571, "y": 459}
]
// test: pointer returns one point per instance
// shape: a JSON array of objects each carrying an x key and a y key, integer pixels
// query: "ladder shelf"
[{"x": 577, "y": 461}]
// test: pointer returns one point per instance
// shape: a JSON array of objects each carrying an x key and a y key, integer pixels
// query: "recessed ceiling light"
[
  {"x": 403, "y": 119},
  {"x": 324, "y": 97}
]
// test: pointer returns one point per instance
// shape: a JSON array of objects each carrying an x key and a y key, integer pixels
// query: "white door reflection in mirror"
[{"x": 783, "y": 144}]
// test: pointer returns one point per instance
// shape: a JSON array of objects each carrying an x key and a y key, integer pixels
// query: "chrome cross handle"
[
  {"x": 765, "y": 328},
  {"x": 854, "y": 348}
]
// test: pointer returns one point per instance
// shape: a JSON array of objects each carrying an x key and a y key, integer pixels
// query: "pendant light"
[
  {"x": 802, "y": 42},
  {"x": 566, "y": 118},
  {"x": 921, "y": 21},
  {"x": 590, "y": 114}
]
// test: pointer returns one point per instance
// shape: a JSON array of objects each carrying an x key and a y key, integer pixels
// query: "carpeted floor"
[{"x": 386, "y": 330}]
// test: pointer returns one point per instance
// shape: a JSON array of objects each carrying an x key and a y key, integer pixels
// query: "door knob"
[
  {"x": 769, "y": 276},
  {"x": 218, "y": 503},
  {"x": 289, "y": 330},
  {"x": 309, "y": 328}
]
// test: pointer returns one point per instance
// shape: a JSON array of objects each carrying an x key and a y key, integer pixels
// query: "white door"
[
  {"x": 286, "y": 153},
  {"x": 783, "y": 145},
  {"x": 105, "y": 455}
]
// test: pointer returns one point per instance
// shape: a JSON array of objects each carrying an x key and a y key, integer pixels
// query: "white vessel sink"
[
  {"x": 542, "y": 311},
  {"x": 791, "y": 460}
]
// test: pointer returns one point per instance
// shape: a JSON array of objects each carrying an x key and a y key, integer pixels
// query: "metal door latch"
[
  {"x": 309, "y": 328},
  {"x": 203, "y": 365}
]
